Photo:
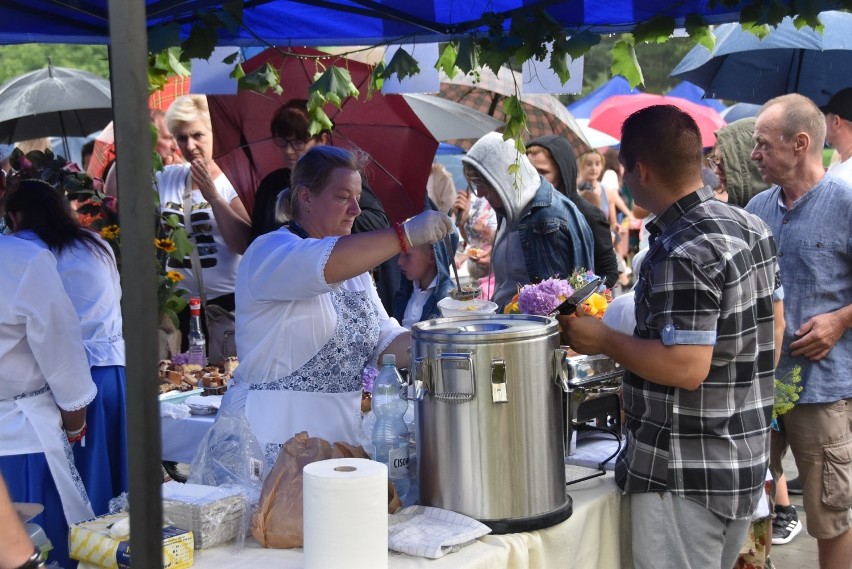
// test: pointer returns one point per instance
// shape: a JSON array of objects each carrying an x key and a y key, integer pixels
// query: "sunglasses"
[{"x": 294, "y": 143}]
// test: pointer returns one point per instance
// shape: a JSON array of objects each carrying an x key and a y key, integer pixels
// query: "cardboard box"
[{"x": 91, "y": 541}]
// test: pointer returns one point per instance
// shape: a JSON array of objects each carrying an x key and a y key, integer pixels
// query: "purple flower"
[
  {"x": 368, "y": 378},
  {"x": 543, "y": 298}
]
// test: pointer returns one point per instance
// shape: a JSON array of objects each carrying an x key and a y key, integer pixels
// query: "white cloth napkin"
[{"x": 431, "y": 532}]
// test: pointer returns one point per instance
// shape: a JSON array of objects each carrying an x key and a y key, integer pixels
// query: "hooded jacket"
[
  {"x": 540, "y": 233},
  {"x": 735, "y": 143},
  {"x": 606, "y": 264}
]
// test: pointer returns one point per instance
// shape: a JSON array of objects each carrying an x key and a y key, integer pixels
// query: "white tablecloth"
[
  {"x": 181, "y": 437},
  {"x": 596, "y": 536}
]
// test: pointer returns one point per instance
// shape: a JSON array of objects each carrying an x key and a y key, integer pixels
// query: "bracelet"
[
  {"x": 34, "y": 560},
  {"x": 400, "y": 232},
  {"x": 76, "y": 436}
]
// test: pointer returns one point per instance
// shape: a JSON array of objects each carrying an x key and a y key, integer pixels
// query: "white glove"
[{"x": 427, "y": 228}]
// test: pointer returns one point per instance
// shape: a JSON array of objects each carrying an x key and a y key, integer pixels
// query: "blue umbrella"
[
  {"x": 694, "y": 93},
  {"x": 745, "y": 68},
  {"x": 618, "y": 85}
]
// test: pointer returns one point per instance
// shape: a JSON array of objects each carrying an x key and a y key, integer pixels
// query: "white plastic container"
[{"x": 451, "y": 307}]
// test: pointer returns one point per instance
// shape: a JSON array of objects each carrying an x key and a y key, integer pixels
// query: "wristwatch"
[{"x": 35, "y": 561}]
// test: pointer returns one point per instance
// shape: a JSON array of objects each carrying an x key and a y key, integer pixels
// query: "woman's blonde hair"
[
  {"x": 313, "y": 171},
  {"x": 188, "y": 108},
  {"x": 584, "y": 157}
]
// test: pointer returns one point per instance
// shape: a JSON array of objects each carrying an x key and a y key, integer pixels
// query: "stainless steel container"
[{"x": 489, "y": 419}]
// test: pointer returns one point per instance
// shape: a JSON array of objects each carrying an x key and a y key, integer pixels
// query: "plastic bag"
[
  {"x": 278, "y": 521},
  {"x": 229, "y": 454}
]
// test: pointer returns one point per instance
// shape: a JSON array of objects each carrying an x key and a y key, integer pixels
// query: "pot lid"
[{"x": 484, "y": 327}]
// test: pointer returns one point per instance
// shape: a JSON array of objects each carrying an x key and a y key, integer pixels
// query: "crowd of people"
[{"x": 738, "y": 282}]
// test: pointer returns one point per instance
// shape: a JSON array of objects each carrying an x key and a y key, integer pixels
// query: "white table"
[{"x": 596, "y": 536}]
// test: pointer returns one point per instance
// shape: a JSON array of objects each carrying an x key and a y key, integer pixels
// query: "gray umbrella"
[{"x": 54, "y": 101}]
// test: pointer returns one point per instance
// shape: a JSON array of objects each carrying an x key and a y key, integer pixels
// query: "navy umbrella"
[{"x": 744, "y": 68}]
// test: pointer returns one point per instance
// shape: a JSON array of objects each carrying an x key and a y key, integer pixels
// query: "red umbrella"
[
  {"x": 610, "y": 114},
  {"x": 400, "y": 146}
]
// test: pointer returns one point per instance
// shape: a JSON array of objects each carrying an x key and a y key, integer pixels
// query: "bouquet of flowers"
[{"x": 543, "y": 298}]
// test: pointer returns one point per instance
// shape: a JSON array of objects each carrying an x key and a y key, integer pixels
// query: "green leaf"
[
  {"x": 175, "y": 66},
  {"x": 580, "y": 44},
  {"x": 183, "y": 246},
  {"x": 813, "y": 21},
  {"x": 468, "y": 55},
  {"x": 447, "y": 60},
  {"x": 516, "y": 118},
  {"x": 559, "y": 64},
  {"x": 656, "y": 30},
  {"x": 402, "y": 65},
  {"x": 624, "y": 61},
  {"x": 699, "y": 32},
  {"x": 376, "y": 79},
  {"x": 262, "y": 79},
  {"x": 200, "y": 43},
  {"x": 172, "y": 221},
  {"x": 231, "y": 58},
  {"x": 163, "y": 36},
  {"x": 334, "y": 85}
]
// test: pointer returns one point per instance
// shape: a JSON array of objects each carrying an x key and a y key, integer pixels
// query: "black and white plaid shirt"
[{"x": 708, "y": 279}]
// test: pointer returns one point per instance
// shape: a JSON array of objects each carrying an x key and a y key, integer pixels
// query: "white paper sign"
[
  {"x": 539, "y": 77},
  {"x": 212, "y": 76}
]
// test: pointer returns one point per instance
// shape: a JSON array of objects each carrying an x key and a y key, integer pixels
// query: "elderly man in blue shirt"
[{"x": 810, "y": 215}]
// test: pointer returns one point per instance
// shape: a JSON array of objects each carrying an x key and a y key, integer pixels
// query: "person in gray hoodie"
[
  {"x": 554, "y": 158},
  {"x": 540, "y": 233}
]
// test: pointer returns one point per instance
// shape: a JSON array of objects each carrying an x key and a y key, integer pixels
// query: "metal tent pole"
[{"x": 129, "y": 77}]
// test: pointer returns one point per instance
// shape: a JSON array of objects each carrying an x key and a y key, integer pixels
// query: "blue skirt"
[
  {"x": 102, "y": 463},
  {"x": 29, "y": 480}
]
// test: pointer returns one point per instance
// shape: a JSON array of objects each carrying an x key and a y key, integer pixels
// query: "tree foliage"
[{"x": 22, "y": 58}]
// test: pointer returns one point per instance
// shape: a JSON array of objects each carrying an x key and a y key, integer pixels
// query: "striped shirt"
[{"x": 708, "y": 279}]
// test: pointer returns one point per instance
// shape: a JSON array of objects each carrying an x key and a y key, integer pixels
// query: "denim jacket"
[{"x": 555, "y": 236}]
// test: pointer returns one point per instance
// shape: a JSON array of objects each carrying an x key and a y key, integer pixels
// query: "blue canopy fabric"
[
  {"x": 694, "y": 93},
  {"x": 341, "y": 22},
  {"x": 745, "y": 68},
  {"x": 618, "y": 85}
]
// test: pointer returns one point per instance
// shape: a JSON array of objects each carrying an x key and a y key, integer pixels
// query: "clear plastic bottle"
[
  {"x": 390, "y": 433},
  {"x": 197, "y": 342}
]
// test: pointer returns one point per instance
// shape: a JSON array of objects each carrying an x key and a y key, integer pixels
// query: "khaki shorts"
[{"x": 820, "y": 437}]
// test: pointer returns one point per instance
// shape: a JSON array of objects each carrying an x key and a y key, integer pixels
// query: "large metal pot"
[{"x": 490, "y": 419}]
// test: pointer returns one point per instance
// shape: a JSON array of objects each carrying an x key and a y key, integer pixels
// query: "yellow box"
[{"x": 91, "y": 542}]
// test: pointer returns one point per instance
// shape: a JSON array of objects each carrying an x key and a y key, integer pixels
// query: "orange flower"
[{"x": 166, "y": 245}]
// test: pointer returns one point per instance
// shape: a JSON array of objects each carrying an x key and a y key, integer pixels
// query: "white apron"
[
  {"x": 322, "y": 397},
  {"x": 40, "y": 410}
]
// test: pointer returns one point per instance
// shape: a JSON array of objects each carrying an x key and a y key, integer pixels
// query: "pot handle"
[
  {"x": 422, "y": 378},
  {"x": 560, "y": 373},
  {"x": 457, "y": 367}
]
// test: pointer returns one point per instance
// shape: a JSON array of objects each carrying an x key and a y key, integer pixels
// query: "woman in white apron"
[
  {"x": 308, "y": 316},
  {"x": 45, "y": 387},
  {"x": 39, "y": 214}
]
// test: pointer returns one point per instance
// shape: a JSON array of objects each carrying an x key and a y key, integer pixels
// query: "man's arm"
[
  {"x": 682, "y": 366},
  {"x": 818, "y": 335}
]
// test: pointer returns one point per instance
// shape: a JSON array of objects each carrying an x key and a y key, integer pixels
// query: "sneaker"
[
  {"x": 794, "y": 486},
  {"x": 785, "y": 525}
]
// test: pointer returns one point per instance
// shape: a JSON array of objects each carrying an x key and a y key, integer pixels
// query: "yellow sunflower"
[
  {"x": 166, "y": 245},
  {"x": 174, "y": 276},
  {"x": 110, "y": 232}
]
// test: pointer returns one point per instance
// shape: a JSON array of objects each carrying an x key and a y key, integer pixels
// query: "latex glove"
[{"x": 427, "y": 228}]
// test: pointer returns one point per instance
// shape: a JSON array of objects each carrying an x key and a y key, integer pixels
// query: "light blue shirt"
[{"x": 814, "y": 245}]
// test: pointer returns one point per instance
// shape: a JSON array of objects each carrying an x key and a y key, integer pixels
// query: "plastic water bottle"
[
  {"x": 390, "y": 433},
  {"x": 197, "y": 342}
]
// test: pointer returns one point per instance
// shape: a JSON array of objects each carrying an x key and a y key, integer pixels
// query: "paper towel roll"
[{"x": 346, "y": 514}]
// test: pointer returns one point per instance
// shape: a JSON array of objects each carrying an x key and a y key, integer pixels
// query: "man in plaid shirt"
[{"x": 699, "y": 388}]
